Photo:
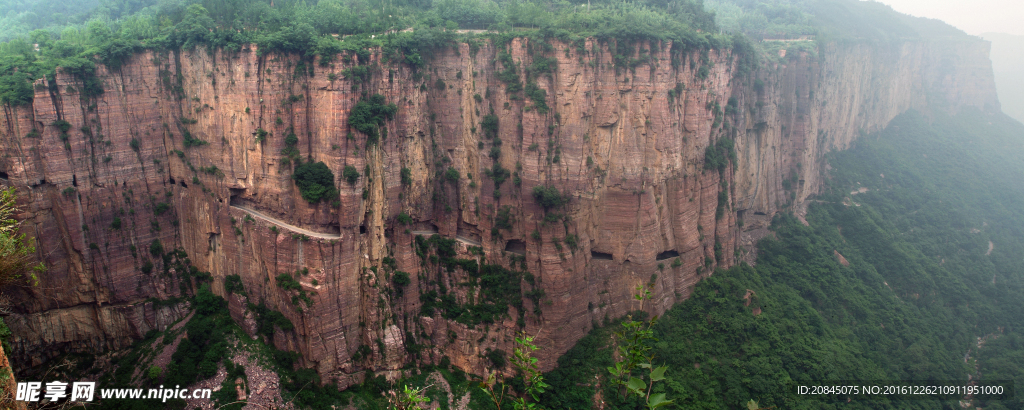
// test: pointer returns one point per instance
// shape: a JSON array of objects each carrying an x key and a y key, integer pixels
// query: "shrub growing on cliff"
[
  {"x": 267, "y": 319},
  {"x": 490, "y": 126},
  {"x": 62, "y": 125},
  {"x": 191, "y": 141},
  {"x": 572, "y": 241},
  {"x": 350, "y": 174},
  {"x": 549, "y": 197},
  {"x": 290, "y": 152},
  {"x": 499, "y": 286},
  {"x": 498, "y": 174},
  {"x": 156, "y": 248},
  {"x": 406, "y": 176},
  {"x": 538, "y": 96},
  {"x": 261, "y": 135},
  {"x": 233, "y": 284},
  {"x": 161, "y": 208},
  {"x": 369, "y": 115},
  {"x": 723, "y": 202},
  {"x": 404, "y": 218},
  {"x": 400, "y": 280},
  {"x": 16, "y": 250},
  {"x": 315, "y": 181},
  {"x": 504, "y": 218},
  {"x": 509, "y": 75},
  {"x": 452, "y": 175},
  {"x": 287, "y": 282},
  {"x": 719, "y": 155}
]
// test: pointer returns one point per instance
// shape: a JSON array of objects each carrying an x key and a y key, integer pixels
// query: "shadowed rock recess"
[{"x": 627, "y": 147}]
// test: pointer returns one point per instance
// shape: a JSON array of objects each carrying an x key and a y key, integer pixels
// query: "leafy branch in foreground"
[
  {"x": 408, "y": 399},
  {"x": 635, "y": 352},
  {"x": 526, "y": 366},
  {"x": 489, "y": 385}
]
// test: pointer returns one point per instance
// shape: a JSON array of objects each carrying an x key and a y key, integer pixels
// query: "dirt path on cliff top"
[{"x": 286, "y": 225}]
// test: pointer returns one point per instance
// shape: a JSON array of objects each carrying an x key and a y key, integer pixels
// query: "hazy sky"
[{"x": 972, "y": 16}]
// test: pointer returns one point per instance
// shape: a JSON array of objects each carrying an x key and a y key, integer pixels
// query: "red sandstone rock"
[{"x": 629, "y": 155}]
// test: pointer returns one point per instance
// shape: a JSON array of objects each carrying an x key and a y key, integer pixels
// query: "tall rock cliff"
[{"x": 173, "y": 155}]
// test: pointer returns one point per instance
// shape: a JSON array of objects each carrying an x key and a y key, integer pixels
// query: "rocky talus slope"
[{"x": 626, "y": 144}]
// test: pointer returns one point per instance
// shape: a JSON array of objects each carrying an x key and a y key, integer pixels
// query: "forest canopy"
[
  {"x": 110, "y": 31},
  {"x": 932, "y": 266},
  {"x": 828, "y": 19}
]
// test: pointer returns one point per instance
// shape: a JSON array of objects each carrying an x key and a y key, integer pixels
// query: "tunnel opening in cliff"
[
  {"x": 468, "y": 233},
  {"x": 516, "y": 246},
  {"x": 601, "y": 256},
  {"x": 424, "y": 228},
  {"x": 669, "y": 254},
  {"x": 236, "y": 198}
]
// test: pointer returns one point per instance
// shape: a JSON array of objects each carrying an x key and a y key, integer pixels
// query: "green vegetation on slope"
[
  {"x": 113, "y": 32},
  {"x": 369, "y": 114},
  {"x": 836, "y": 19},
  {"x": 23, "y": 16},
  {"x": 918, "y": 291},
  {"x": 206, "y": 343},
  {"x": 500, "y": 287}
]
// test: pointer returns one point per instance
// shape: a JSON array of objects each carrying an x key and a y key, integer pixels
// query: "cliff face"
[{"x": 627, "y": 145}]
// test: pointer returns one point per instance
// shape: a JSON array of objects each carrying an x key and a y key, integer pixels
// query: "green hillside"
[{"x": 919, "y": 290}]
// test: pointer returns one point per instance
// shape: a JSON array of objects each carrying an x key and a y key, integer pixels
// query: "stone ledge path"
[
  {"x": 462, "y": 239},
  {"x": 286, "y": 225}
]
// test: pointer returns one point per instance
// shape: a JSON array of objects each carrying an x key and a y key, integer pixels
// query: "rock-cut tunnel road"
[
  {"x": 312, "y": 234},
  {"x": 286, "y": 225},
  {"x": 462, "y": 239}
]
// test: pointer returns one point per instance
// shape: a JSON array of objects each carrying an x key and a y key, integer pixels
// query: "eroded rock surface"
[{"x": 626, "y": 145}]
